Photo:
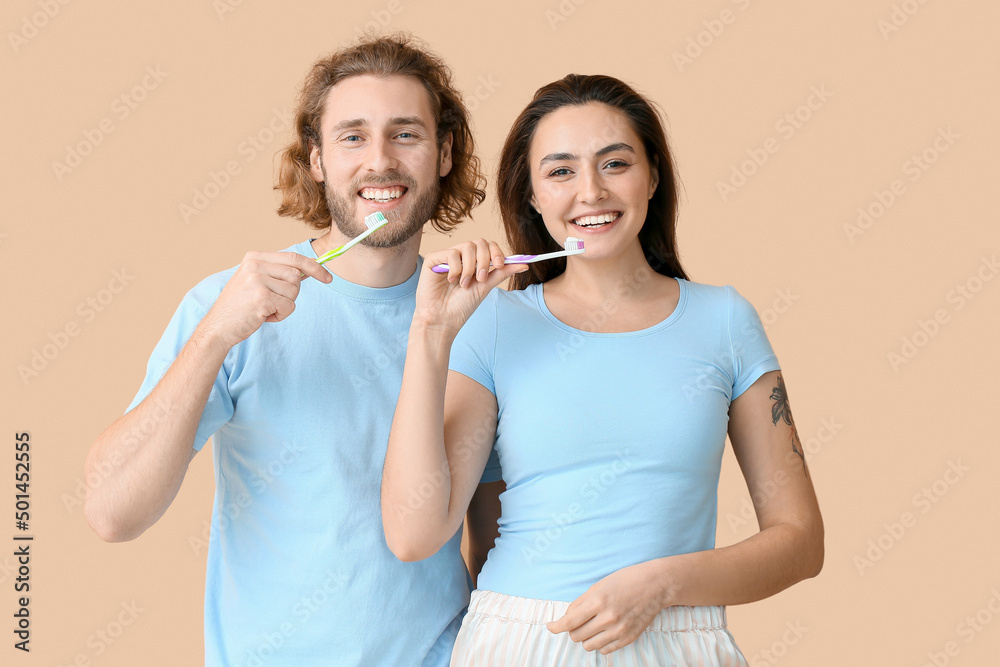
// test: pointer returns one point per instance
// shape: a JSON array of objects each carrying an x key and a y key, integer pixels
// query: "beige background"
[{"x": 836, "y": 304}]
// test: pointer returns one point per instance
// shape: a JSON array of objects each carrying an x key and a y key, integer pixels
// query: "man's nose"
[{"x": 381, "y": 157}]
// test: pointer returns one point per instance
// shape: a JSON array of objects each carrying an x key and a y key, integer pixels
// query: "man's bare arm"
[{"x": 142, "y": 457}]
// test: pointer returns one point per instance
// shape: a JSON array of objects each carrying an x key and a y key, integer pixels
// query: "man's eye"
[
  {"x": 405, "y": 135},
  {"x": 352, "y": 138}
]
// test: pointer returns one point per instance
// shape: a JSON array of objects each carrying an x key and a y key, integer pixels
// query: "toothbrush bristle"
[
  {"x": 375, "y": 219},
  {"x": 573, "y": 243}
]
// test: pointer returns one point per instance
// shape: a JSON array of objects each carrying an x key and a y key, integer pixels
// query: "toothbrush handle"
[
  {"x": 513, "y": 259},
  {"x": 373, "y": 221},
  {"x": 330, "y": 254}
]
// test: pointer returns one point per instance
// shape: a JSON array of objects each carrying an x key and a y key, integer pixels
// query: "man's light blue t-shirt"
[
  {"x": 298, "y": 568},
  {"x": 610, "y": 443}
]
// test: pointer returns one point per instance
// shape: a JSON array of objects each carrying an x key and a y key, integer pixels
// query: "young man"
[{"x": 300, "y": 403}]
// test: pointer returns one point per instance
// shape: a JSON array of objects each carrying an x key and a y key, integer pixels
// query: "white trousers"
[{"x": 507, "y": 631}]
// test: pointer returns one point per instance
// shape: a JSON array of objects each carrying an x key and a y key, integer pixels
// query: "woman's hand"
[
  {"x": 446, "y": 301},
  {"x": 617, "y": 609}
]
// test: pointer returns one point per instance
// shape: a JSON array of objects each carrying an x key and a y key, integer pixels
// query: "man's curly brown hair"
[{"x": 461, "y": 190}]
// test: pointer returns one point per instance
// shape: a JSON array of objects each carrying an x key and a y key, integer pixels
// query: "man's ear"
[
  {"x": 445, "y": 152},
  {"x": 316, "y": 164}
]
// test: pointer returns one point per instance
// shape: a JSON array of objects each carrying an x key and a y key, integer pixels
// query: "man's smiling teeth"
[
  {"x": 595, "y": 220},
  {"x": 382, "y": 195}
]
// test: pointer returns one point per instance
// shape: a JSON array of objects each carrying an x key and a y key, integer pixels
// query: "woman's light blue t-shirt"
[{"x": 610, "y": 443}]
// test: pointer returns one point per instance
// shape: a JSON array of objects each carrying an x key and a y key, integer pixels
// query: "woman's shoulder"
[
  {"x": 515, "y": 297},
  {"x": 722, "y": 300},
  {"x": 708, "y": 293},
  {"x": 500, "y": 304}
]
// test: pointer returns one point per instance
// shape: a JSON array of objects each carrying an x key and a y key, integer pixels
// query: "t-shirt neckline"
[
  {"x": 662, "y": 324},
  {"x": 356, "y": 291}
]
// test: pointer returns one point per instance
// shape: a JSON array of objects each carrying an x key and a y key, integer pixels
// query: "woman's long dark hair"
[{"x": 526, "y": 232}]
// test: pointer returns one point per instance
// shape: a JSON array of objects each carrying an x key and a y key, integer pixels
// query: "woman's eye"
[
  {"x": 616, "y": 164},
  {"x": 561, "y": 171}
]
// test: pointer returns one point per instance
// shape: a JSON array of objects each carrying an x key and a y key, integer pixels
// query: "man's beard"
[{"x": 344, "y": 211}]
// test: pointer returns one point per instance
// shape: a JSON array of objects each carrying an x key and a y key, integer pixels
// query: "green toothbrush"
[{"x": 372, "y": 222}]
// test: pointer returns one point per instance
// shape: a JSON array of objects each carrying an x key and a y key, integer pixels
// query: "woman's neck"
[{"x": 625, "y": 277}]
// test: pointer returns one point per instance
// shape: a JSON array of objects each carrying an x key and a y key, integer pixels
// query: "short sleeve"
[
  {"x": 473, "y": 351},
  {"x": 751, "y": 350},
  {"x": 196, "y": 303},
  {"x": 472, "y": 355}
]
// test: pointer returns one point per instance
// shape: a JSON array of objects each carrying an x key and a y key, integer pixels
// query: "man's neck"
[{"x": 371, "y": 267}]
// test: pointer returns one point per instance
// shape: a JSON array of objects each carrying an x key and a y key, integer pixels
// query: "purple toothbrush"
[{"x": 573, "y": 246}]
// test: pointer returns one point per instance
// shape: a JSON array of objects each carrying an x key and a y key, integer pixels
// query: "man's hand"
[{"x": 263, "y": 289}]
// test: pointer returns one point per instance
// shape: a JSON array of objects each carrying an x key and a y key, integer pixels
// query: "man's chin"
[
  {"x": 394, "y": 236},
  {"x": 402, "y": 225}
]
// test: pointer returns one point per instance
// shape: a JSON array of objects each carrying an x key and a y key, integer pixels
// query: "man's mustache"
[{"x": 389, "y": 178}]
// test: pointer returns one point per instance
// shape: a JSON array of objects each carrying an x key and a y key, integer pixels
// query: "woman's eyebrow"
[
  {"x": 620, "y": 146},
  {"x": 559, "y": 157}
]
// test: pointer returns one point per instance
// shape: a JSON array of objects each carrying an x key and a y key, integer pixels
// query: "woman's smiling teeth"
[
  {"x": 382, "y": 195},
  {"x": 596, "y": 220}
]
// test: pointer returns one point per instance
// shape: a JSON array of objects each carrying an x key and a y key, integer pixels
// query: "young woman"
[{"x": 607, "y": 383}]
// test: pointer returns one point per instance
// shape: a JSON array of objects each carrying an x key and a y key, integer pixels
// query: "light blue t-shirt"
[
  {"x": 298, "y": 570},
  {"x": 610, "y": 443}
]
